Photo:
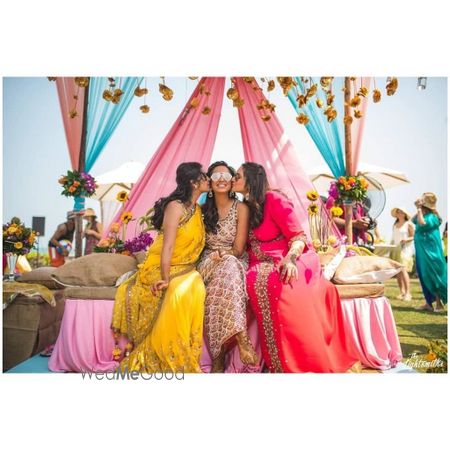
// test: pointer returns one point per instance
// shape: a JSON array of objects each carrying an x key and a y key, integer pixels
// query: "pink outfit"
[{"x": 300, "y": 324}]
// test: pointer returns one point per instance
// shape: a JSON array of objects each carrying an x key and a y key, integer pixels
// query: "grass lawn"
[{"x": 415, "y": 328}]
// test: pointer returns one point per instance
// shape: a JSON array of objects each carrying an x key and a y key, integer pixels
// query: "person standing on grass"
[
  {"x": 402, "y": 238},
  {"x": 430, "y": 262}
]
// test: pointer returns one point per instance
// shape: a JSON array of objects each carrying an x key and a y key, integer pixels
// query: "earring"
[
  {"x": 210, "y": 194},
  {"x": 247, "y": 196},
  {"x": 231, "y": 194}
]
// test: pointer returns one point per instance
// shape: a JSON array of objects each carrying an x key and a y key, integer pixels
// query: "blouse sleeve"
[
  {"x": 431, "y": 222},
  {"x": 282, "y": 213}
]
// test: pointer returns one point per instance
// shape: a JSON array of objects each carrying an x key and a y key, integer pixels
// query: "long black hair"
[
  {"x": 209, "y": 208},
  {"x": 257, "y": 186},
  {"x": 186, "y": 173}
]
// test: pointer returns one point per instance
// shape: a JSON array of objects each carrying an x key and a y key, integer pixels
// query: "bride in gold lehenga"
[{"x": 160, "y": 309}]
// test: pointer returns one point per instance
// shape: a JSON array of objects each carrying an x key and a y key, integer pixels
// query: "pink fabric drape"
[
  {"x": 67, "y": 89},
  {"x": 370, "y": 326},
  {"x": 85, "y": 342},
  {"x": 357, "y": 128},
  {"x": 265, "y": 143},
  {"x": 191, "y": 138}
]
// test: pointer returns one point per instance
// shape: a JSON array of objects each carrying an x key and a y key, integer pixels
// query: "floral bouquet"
[
  {"x": 347, "y": 189},
  {"x": 139, "y": 243},
  {"x": 77, "y": 184},
  {"x": 112, "y": 243},
  {"x": 17, "y": 238}
]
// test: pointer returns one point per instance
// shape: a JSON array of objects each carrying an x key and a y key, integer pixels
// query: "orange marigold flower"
[
  {"x": 115, "y": 227},
  {"x": 18, "y": 245}
]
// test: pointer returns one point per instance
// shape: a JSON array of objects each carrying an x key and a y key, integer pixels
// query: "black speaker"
[{"x": 38, "y": 225}]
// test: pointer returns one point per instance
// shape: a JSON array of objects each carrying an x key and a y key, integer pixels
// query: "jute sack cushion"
[
  {"x": 41, "y": 275},
  {"x": 366, "y": 269},
  {"x": 98, "y": 269}
]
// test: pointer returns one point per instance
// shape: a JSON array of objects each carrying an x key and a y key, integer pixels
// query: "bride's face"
[{"x": 239, "y": 182}]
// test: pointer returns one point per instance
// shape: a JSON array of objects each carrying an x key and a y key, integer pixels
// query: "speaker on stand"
[{"x": 38, "y": 225}]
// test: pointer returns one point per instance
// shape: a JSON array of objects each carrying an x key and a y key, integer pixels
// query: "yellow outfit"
[{"x": 166, "y": 329}]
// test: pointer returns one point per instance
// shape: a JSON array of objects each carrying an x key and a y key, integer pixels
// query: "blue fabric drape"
[
  {"x": 102, "y": 116},
  {"x": 327, "y": 137}
]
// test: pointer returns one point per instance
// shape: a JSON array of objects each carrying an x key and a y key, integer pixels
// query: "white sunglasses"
[{"x": 216, "y": 176}]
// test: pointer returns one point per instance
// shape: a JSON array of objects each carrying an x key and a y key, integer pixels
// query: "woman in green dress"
[{"x": 430, "y": 262}]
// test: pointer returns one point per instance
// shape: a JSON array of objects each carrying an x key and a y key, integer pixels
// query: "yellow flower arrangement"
[
  {"x": 126, "y": 217},
  {"x": 332, "y": 239},
  {"x": 312, "y": 196},
  {"x": 336, "y": 211},
  {"x": 122, "y": 196},
  {"x": 316, "y": 243},
  {"x": 313, "y": 209},
  {"x": 17, "y": 238}
]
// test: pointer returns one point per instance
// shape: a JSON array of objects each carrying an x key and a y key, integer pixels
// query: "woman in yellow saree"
[{"x": 160, "y": 309}]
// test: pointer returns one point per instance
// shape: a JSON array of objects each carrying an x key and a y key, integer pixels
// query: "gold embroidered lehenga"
[{"x": 166, "y": 328}]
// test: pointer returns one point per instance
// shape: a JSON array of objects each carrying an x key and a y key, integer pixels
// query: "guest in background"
[
  {"x": 58, "y": 246},
  {"x": 444, "y": 240},
  {"x": 430, "y": 262},
  {"x": 92, "y": 231},
  {"x": 403, "y": 237}
]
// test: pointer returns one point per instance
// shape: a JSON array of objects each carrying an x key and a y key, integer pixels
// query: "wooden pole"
[
  {"x": 348, "y": 158},
  {"x": 81, "y": 168}
]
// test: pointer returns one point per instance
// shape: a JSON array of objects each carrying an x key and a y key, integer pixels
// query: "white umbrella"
[
  {"x": 113, "y": 182},
  {"x": 321, "y": 176}
]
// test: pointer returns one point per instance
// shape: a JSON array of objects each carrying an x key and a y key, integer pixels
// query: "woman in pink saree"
[{"x": 298, "y": 311}]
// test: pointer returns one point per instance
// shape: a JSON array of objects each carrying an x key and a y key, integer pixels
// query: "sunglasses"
[{"x": 216, "y": 176}]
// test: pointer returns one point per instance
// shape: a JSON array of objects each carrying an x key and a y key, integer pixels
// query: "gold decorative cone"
[
  {"x": 238, "y": 103},
  {"x": 82, "y": 81},
  {"x": 325, "y": 81},
  {"x": 145, "y": 109},
  {"x": 206, "y": 110},
  {"x": 73, "y": 113},
  {"x": 302, "y": 119},
  {"x": 355, "y": 101},
  {"x": 140, "y": 92},
  {"x": 348, "y": 120},
  {"x": 311, "y": 91},
  {"x": 271, "y": 85},
  {"x": 358, "y": 114},
  {"x": 363, "y": 92},
  {"x": 107, "y": 95},
  {"x": 392, "y": 86},
  {"x": 376, "y": 95},
  {"x": 233, "y": 94},
  {"x": 195, "y": 102}
]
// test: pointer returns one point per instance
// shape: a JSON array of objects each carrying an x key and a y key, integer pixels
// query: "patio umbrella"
[
  {"x": 113, "y": 182},
  {"x": 388, "y": 178}
]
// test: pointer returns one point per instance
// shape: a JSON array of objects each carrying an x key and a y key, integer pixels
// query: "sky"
[{"x": 406, "y": 132}]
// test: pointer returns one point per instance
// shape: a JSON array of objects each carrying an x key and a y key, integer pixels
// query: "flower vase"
[{"x": 12, "y": 261}]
